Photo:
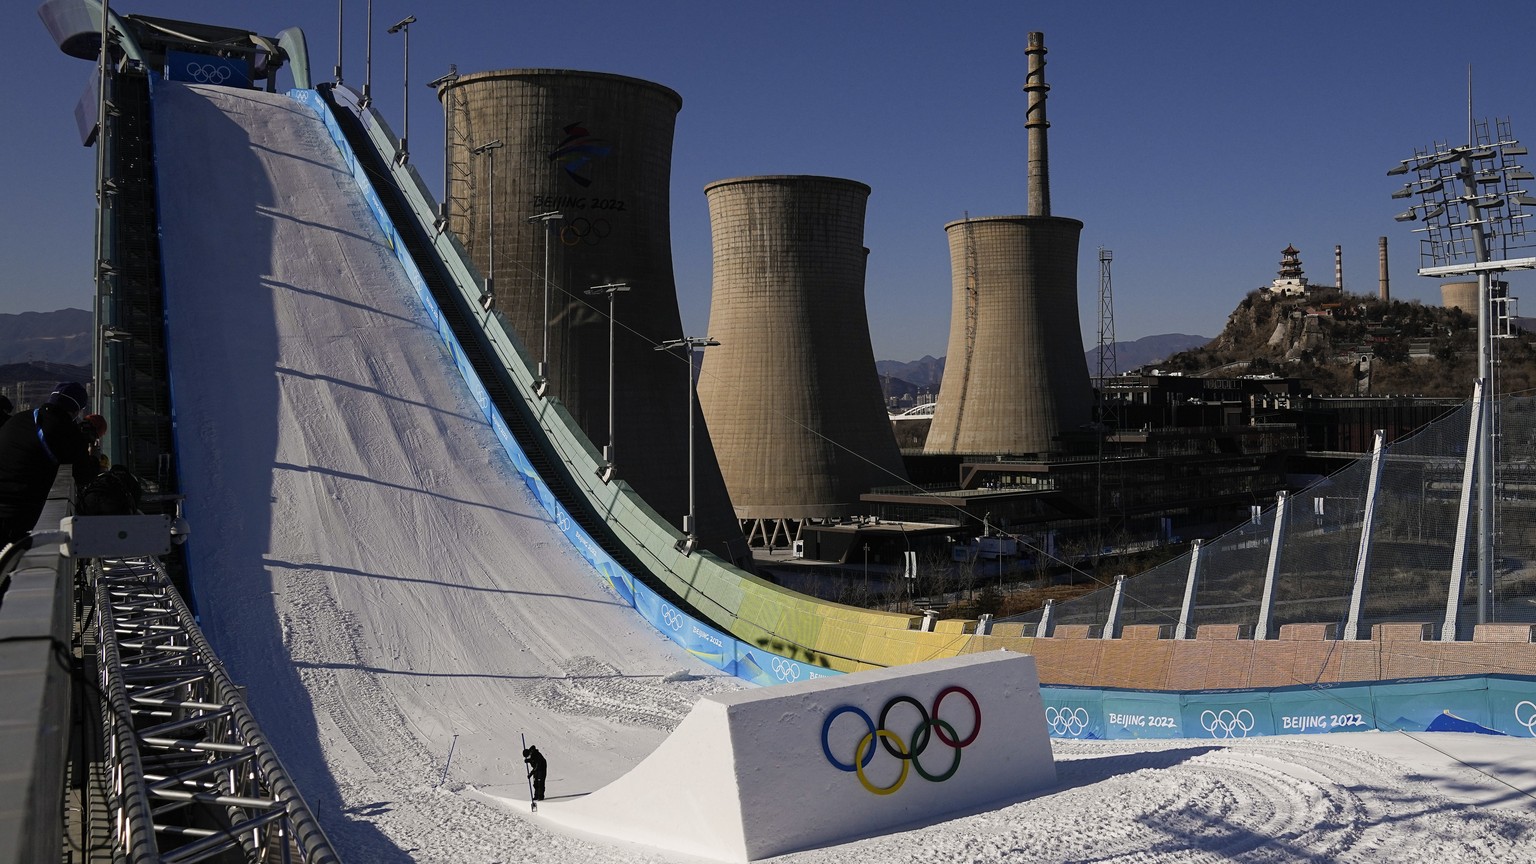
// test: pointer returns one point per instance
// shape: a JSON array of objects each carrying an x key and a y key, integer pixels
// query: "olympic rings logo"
[
  {"x": 208, "y": 73},
  {"x": 784, "y": 670},
  {"x": 1226, "y": 724},
  {"x": 672, "y": 617},
  {"x": 1528, "y": 717},
  {"x": 1066, "y": 722},
  {"x": 929, "y": 727},
  {"x": 583, "y": 230}
]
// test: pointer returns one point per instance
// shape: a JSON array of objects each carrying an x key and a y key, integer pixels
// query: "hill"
[
  {"x": 1342, "y": 344},
  {"x": 63, "y": 336}
]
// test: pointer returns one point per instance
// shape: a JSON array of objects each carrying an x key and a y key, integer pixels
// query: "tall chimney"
[
  {"x": 1386, "y": 289},
  {"x": 1036, "y": 124},
  {"x": 1338, "y": 267}
]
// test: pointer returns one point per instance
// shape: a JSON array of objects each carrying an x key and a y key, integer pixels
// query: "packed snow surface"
[{"x": 366, "y": 561}]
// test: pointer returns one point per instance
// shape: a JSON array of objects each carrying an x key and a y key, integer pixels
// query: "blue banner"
[{"x": 1490, "y": 704}]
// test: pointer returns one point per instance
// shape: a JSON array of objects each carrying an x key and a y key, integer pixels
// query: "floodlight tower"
[{"x": 1474, "y": 215}]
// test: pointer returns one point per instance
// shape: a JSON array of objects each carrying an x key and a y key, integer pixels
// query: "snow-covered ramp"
[{"x": 364, "y": 557}]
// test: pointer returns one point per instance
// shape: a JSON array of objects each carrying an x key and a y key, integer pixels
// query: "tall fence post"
[
  {"x": 1191, "y": 583},
  {"x": 1367, "y": 524},
  {"x": 1112, "y": 623},
  {"x": 1267, "y": 601},
  {"x": 1458, "y": 580}
]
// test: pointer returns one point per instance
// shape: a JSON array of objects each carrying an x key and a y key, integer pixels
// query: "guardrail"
[{"x": 36, "y": 625}]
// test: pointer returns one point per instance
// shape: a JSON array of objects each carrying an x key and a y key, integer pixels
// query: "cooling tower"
[
  {"x": 791, "y": 394},
  {"x": 1015, "y": 376},
  {"x": 596, "y": 150},
  {"x": 1463, "y": 295},
  {"x": 1459, "y": 295}
]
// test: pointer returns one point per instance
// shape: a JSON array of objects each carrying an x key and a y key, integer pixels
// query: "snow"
[{"x": 366, "y": 562}]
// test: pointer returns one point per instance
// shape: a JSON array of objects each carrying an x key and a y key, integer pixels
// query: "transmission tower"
[{"x": 1109, "y": 365}]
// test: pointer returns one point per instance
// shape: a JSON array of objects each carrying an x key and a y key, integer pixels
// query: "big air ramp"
[
  {"x": 364, "y": 557},
  {"x": 764, "y": 772}
]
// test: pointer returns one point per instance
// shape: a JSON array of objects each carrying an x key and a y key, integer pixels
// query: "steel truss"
[{"x": 192, "y": 776}]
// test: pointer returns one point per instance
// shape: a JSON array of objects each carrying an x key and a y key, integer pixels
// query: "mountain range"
[
  {"x": 907, "y": 378},
  {"x": 63, "y": 336}
]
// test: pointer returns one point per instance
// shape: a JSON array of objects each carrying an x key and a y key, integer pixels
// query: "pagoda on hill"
[{"x": 1291, "y": 282}]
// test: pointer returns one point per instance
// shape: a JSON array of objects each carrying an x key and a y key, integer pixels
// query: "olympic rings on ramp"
[{"x": 930, "y": 727}]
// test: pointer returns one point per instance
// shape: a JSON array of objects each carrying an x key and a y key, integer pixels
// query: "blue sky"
[{"x": 1194, "y": 139}]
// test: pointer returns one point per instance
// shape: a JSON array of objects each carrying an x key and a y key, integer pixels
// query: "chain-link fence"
[{"x": 1408, "y": 563}]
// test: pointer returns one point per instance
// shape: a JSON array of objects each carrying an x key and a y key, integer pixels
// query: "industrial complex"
[{"x": 449, "y": 406}]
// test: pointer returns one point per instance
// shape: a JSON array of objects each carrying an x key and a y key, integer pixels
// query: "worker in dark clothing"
[
  {"x": 537, "y": 768},
  {"x": 33, "y": 444}
]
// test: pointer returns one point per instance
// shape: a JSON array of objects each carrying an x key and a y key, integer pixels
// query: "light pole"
[
  {"x": 404, "y": 25},
  {"x": 693, "y": 344},
  {"x": 441, "y": 85},
  {"x": 488, "y": 149},
  {"x": 339, "y": 4},
  {"x": 541, "y": 381},
  {"x": 866, "y": 575},
  {"x": 367, "y": 99},
  {"x": 1462, "y": 231},
  {"x": 613, "y": 290}
]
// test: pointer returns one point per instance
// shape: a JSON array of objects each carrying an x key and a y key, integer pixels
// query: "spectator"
[
  {"x": 5, "y": 410},
  {"x": 33, "y": 445}
]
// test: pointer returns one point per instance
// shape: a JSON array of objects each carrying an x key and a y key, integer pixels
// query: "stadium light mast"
[
  {"x": 404, "y": 26},
  {"x": 612, "y": 290},
  {"x": 541, "y": 379},
  {"x": 488, "y": 149},
  {"x": 694, "y": 344},
  {"x": 441, "y": 85},
  {"x": 1474, "y": 215}
]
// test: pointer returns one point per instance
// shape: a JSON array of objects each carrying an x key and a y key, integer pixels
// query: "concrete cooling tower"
[
  {"x": 1015, "y": 377},
  {"x": 591, "y": 154},
  {"x": 791, "y": 393}
]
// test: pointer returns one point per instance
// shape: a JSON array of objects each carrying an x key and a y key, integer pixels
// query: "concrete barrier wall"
[{"x": 765, "y": 772}]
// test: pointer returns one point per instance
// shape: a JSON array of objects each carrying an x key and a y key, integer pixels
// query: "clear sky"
[{"x": 1194, "y": 139}]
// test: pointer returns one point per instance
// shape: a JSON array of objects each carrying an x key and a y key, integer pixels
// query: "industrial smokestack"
[
  {"x": 1036, "y": 124},
  {"x": 1338, "y": 267},
  {"x": 1386, "y": 290}
]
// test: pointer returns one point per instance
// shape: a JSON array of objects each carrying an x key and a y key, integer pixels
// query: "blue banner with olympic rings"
[{"x": 1490, "y": 704}]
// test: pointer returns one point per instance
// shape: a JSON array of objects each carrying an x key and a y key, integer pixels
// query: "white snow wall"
[{"x": 764, "y": 772}]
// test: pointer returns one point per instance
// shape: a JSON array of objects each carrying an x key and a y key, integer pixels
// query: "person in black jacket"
[
  {"x": 537, "y": 768},
  {"x": 33, "y": 444},
  {"x": 5, "y": 409}
]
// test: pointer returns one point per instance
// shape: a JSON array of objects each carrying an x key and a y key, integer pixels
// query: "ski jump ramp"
[{"x": 764, "y": 772}]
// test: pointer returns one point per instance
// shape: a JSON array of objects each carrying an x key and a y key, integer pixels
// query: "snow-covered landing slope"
[{"x": 363, "y": 556}]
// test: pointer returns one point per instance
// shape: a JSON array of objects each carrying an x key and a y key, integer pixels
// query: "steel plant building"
[
  {"x": 1016, "y": 377},
  {"x": 791, "y": 394},
  {"x": 592, "y": 153}
]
